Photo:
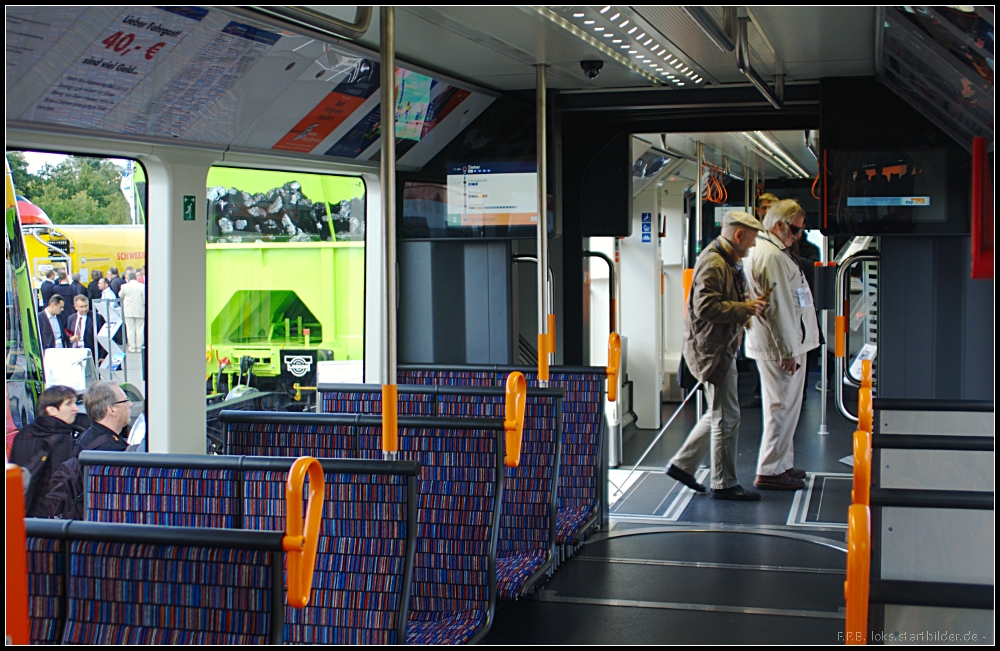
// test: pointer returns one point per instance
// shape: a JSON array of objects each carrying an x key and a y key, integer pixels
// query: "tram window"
[
  {"x": 285, "y": 283},
  {"x": 83, "y": 221}
]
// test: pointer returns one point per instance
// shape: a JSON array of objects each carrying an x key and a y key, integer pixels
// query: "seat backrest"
[
  {"x": 46, "y": 589},
  {"x": 149, "y": 584},
  {"x": 362, "y": 567},
  {"x": 173, "y": 496},
  {"x": 281, "y": 434}
]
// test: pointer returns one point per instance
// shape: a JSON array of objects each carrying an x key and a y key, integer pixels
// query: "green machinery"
[{"x": 279, "y": 304}]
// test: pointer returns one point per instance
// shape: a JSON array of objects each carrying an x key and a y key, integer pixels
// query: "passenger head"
[
  {"x": 764, "y": 203},
  {"x": 58, "y": 402},
  {"x": 81, "y": 304},
  {"x": 130, "y": 276},
  {"x": 50, "y": 274},
  {"x": 95, "y": 274},
  {"x": 55, "y": 306},
  {"x": 107, "y": 405},
  {"x": 785, "y": 219},
  {"x": 740, "y": 229}
]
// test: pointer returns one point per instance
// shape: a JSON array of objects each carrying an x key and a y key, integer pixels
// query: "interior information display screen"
[{"x": 492, "y": 194}]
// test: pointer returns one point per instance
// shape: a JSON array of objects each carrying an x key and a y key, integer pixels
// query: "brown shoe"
[
  {"x": 780, "y": 482},
  {"x": 796, "y": 473}
]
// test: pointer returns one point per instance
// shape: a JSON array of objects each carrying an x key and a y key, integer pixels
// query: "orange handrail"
[
  {"x": 862, "y": 467},
  {"x": 18, "y": 629},
  {"x": 390, "y": 420},
  {"x": 866, "y": 413},
  {"x": 840, "y": 340},
  {"x": 866, "y": 373},
  {"x": 302, "y": 535},
  {"x": 859, "y": 534},
  {"x": 614, "y": 364},
  {"x": 552, "y": 333},
  {"x": 543, "y": 357},
  {"x": 513, "y": 418},
  {"x": 687, "y": 279}
]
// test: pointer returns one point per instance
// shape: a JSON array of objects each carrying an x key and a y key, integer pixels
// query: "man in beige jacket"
[
  {"x": 780, "y": 343},
  {"x": 717, "y": 310},
  {"x": 133, "y": 295}
]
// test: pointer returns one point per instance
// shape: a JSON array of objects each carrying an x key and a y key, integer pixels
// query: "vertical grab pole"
[
  {"x": 387, "y": 41},
  {"x": 542, "y": 232},
  {"x": 824, "y": 364},
  {"x": 699, "y": 149}
]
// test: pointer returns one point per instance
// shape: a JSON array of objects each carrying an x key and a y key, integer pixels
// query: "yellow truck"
[{"x": 83, "y": 248}]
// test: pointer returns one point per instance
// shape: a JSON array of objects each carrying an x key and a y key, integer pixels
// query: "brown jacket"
[{"x": 715, "y": 312}]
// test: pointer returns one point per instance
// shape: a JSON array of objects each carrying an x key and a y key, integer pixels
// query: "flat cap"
[{"x": 740, "y": 218}]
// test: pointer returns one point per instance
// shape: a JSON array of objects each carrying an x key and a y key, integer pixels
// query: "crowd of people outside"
[{"x": 68, "y": 314}]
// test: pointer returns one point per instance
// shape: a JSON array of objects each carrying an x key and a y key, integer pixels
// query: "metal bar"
[
  {"x": 441, "y": 389},
  {"x": 744, "y": 65},
  {"x": 932, "y": 499},
  {"x": 932, "y": 442},
  {"x": 927, "y": 593},
  {"x": 277, "y": 605},
  {"x": 542, "y": 234},
  {"x": 310, "y": 418},
  {"x": 154, "y": 534},
  {"x": 612, "y": 289},
  {"x": 411, "y": 551},
  {"x": 320, "y": 22},
  {"x": 524, "y": 257},
  {"x": 667, "y": 605},
  {"x": 387, "y": 36},
  {"x": 841, "y": 293},
  {"x": 712, "y": 30},
  {"x": 824, "y": 430},
  {"x": 909, "y": 404},
  {"x": 714, "y": 566}
]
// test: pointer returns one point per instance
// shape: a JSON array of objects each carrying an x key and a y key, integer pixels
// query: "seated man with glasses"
[{"x": 109, "y": 413}]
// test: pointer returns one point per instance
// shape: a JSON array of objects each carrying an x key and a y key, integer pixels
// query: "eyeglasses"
[
  {"x": 796, "y": 229},
  {"x": 121, "y": 402}
]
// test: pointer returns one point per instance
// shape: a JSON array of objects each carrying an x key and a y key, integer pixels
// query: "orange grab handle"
[
  {"x": 513, "y": 418},
  {"x": 18, "y": 629},
  {"x": 543, "y": 357},
  {"x": 390, "y": 421},
  {"x": 687, "y": 279},
  {"x": 302, "y": 535},
  {"x": 859, "y": 534},
  {"x": 862, "y": 467},
  {"x": 614, "y": 364},
  {"x": 841, "y": 338},
  {"x": 866, "y": 373},
  {"x": 865, "y": 411},
  {"x": 552, "y": 333}
]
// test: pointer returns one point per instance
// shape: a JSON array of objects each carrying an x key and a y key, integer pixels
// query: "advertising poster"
[
  {"x": 413, "y": 97},
  {"x": 331, "y": 112},
  {"x": 114, "y": 64}
]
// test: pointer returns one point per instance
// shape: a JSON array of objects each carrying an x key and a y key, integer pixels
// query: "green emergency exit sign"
[{"x": 188, "y": 208}]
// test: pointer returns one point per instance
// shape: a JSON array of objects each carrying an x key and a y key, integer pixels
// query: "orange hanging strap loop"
[
  {"x": 302, "y": 535},
  {"x": 18, "y": 628},
  {"x": 862, "y": 467},
  {"x": 859, "y": 535},
  {"x": 614, "y": 364},
  {"x": 513, "y": 418},
  {"x": 543, "y": 357},
  {"x": 390, "y": 420}
]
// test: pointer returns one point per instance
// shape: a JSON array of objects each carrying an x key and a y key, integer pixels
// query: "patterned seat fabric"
[
  {"x": 583, "y": 411},
  {"x": 46, "y": 589},
  {"x": 291, "y": 440},
  {"x": 525, "y": 528},
  {"x": 456, "y": 496},
  {"x": 181, "y": 497},
  {"x": 360, "y": 560},
  {"x": 128, "y": 593}
]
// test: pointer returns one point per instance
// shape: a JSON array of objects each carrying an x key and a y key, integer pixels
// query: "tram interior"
[{"x": 555, "y": 177}]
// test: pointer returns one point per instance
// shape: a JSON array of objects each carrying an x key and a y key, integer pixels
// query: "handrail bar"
[
  {"x": 933, "y": 442},
  {"x": 154, "y": 534},
  {"x": 440, "y": 389},
  {"x": 932, "y": 499},
  {"x": 613, "y": 299},
  {"x": 842, "y": 371},
  {"x": 306, "y": 418},
  {"x": 245, "y": 462},
  {"x": 500, "y": 368}
]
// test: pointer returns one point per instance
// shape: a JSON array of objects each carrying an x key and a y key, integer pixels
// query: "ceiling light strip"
[{"x": 576, "y": 31}]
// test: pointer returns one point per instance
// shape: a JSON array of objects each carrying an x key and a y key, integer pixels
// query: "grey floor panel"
[
  {"x": 723, "y": 587},
  {"x": 533, "y": 622},
  {"x": 719, "y": 547}
]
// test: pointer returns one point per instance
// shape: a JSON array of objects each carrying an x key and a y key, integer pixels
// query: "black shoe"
[
  {"x": 782, "y": 482},
  {"x": 737, "y": 492},
  {"x": 685, "y": 478}
]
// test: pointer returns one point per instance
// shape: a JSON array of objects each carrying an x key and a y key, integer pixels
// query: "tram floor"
[
  {"x": 650, "y": 495},
  {"x": 719, "y": 587}
]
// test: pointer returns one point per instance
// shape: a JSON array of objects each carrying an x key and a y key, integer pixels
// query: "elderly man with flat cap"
[{"x": 717, "y": 310}]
